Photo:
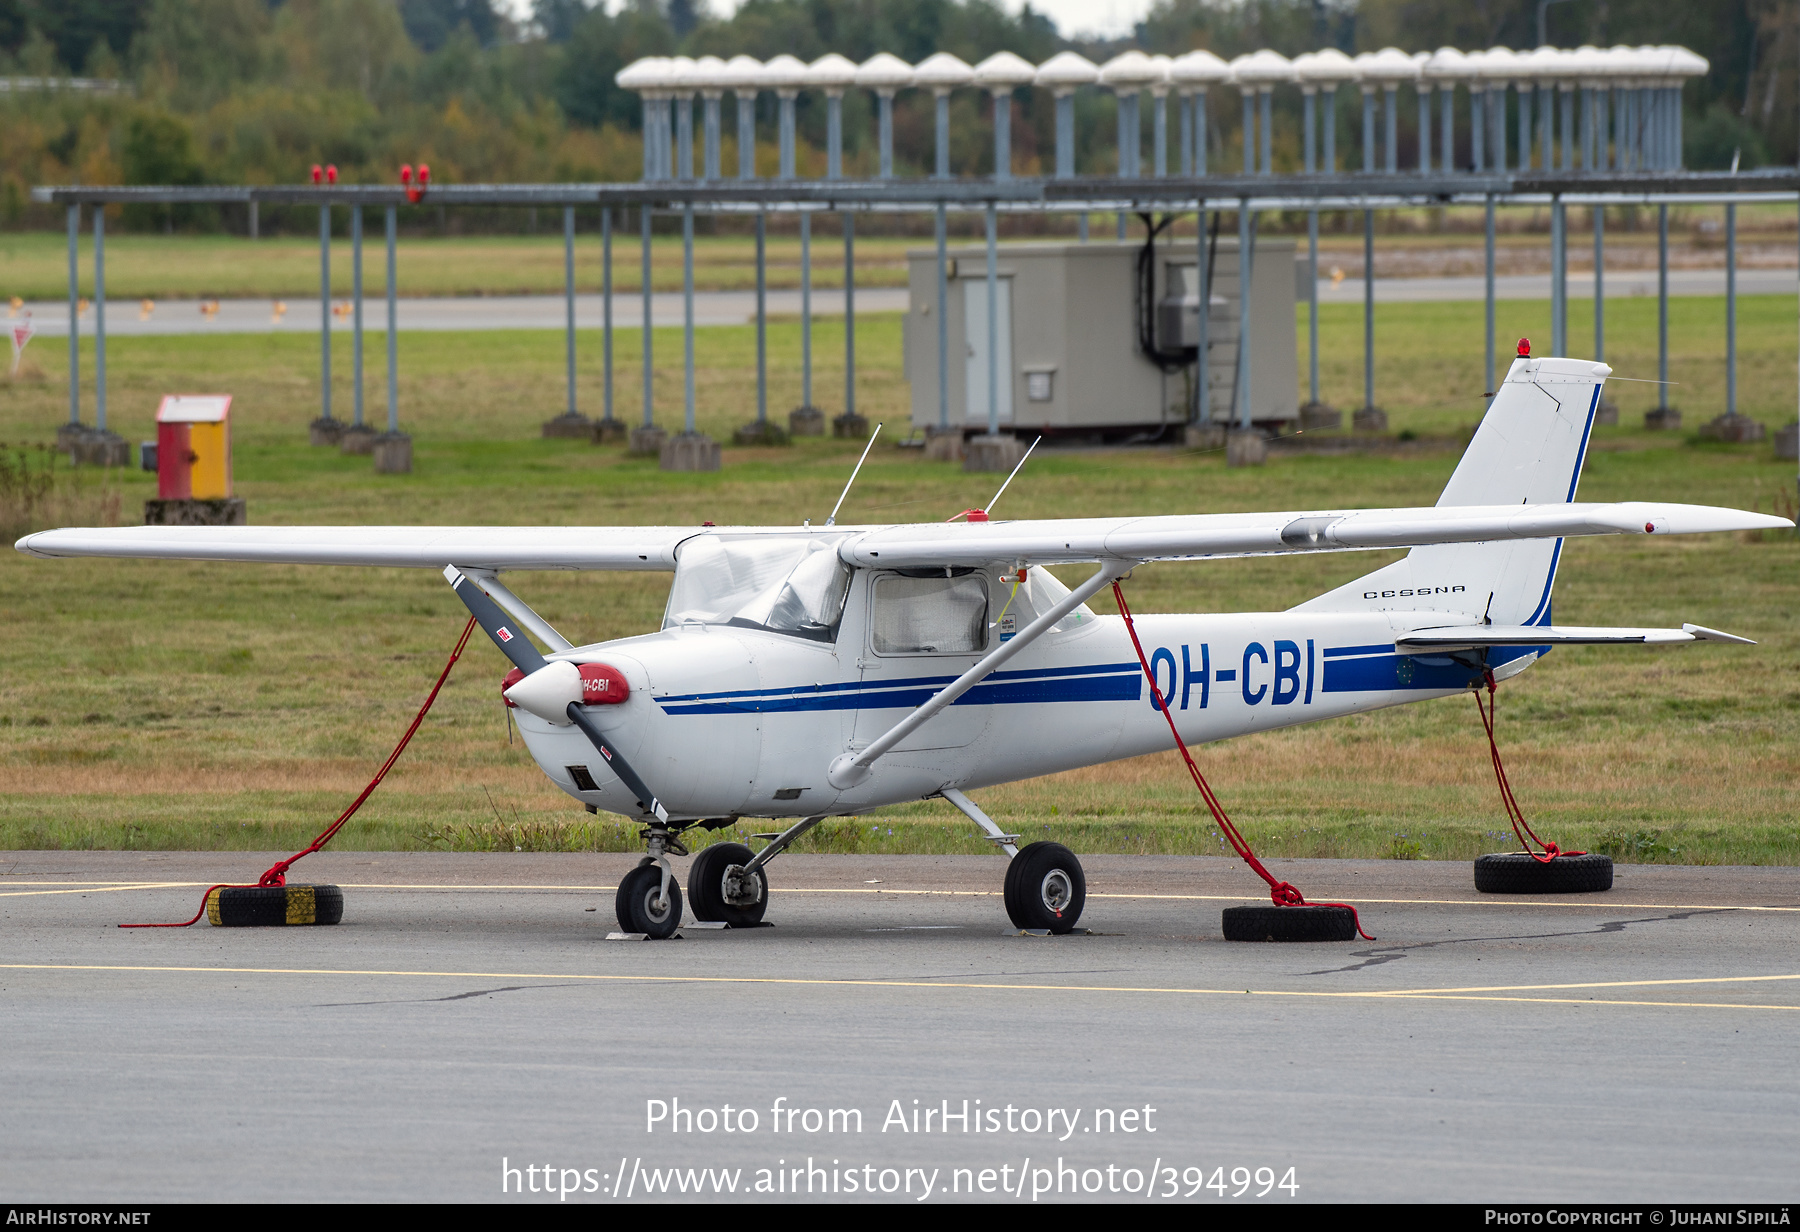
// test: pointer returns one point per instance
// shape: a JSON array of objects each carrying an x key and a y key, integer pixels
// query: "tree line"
[{"x": 257, "y": 91}]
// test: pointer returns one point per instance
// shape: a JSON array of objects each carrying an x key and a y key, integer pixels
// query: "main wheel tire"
[
  {"x": 636, "y": 903},
  {"x": 1516, "y": 872},
  {"x": 256, "y": 906},
  {"x": 1311, "y": 922},
  {"x": 1045, "y": 888},
  {"x": 706, "y": 887}
]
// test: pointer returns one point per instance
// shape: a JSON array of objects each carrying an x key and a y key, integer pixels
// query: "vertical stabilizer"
[{"x": 1527, "y": 451}]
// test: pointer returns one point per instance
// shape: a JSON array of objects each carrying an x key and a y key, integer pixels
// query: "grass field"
[
  {"x": 191, "y": 706},
  {"x": 34, "y": 264}
]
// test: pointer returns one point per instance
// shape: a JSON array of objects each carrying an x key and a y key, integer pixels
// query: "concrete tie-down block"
[
  {"x": 569, "y": 427},
  {"x": 806, "y": 421},
  {"x": 358, "y": 439},
  {"x": 1734, "y": 429},
  {"x": 1246, "y": 449},
  {"x": 647, "y": 440},
  {"x": 96, "y": 448},
  {"x": 1317, "y": 417},
  {"x": 992, "y": 453},
  {"x": 760, "y": 432},
  {"x": 1210, "y": 436},
  {"x": 690, "y": 451},
  {"x": 944, "y": 444},
  {"x": 393, "y": 454}
]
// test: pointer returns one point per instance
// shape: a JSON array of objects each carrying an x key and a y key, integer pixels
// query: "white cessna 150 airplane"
[{"x": 803, "y": 673}]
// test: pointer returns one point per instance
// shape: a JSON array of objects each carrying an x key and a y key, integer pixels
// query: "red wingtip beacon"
[{"x": 1524, "y": 348}]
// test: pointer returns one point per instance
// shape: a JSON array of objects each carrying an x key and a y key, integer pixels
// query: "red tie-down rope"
[
  {"x": 1514, "y": 814},
  {"x": 1283, "y": 894},
  {"x": 277, "y": 874}
]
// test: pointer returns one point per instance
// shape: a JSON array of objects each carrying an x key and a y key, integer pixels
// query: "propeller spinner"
[{"x": 552, "y": 689}]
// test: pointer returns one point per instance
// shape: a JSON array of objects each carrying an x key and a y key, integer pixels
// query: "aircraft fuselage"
[{"x": 728, "y": 721}]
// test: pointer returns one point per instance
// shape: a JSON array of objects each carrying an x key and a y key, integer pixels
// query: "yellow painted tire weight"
[{"x": 262, "y": 906}]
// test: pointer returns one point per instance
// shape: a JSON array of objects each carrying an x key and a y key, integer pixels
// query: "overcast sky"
[{"x": 1110, "y": 18}]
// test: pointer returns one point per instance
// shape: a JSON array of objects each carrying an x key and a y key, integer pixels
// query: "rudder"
[{"x": 1528, "y": 450}]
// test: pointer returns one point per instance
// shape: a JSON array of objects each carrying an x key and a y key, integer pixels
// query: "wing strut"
[
  {"x": 520, "y": 611},
  {"x": 849, "y": 769}
]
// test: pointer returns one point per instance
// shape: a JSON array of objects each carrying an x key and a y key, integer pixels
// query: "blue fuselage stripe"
[
  {"x": 990, "y": 692},
  {"x": 1381, "y": 673},
  {"x": 904, "y": 682}
]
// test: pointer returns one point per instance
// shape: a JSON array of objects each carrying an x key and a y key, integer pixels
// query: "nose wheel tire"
[
  {"x": 1045, "y": 888},
  {"x": 711, "y": 887},
  {"x": 637, "y": 905}
]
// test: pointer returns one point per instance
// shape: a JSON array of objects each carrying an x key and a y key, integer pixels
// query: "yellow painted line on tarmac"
[
  {"x": 1510, "y": 900},
  {"x": 1682, "y": 1005},
  {"x": 1526, "y": 900},
  {"x": 1419, "y": 994},
  {"x": 1704, "y": 979},
  {"x": 107, "y": 888},
  {"x": 116, "y": 881}
]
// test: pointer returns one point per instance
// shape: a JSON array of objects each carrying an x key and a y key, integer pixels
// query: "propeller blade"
[
  {"x": 514, "y": 645},
  {"x": 494, "y": 622},
  {"x": 645, "y": 797}
]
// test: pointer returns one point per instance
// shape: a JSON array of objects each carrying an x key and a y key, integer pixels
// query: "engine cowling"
[{"x": 601, "y": 684}]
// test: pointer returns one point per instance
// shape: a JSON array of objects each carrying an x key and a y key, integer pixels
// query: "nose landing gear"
[
  {"x": 648, "y": 904},
  {"x": 649, "y": 897}
]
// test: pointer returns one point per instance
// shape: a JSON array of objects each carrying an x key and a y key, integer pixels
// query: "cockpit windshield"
[{"x": 793, "y": 585}]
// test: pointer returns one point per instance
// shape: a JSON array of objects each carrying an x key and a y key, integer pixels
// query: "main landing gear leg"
[
  {"x": 1044, "y": 888},
  {"x": 727, "y": 882}
]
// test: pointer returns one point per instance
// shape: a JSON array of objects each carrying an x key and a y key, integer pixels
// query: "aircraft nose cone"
[{"x": 548, "y": 691}]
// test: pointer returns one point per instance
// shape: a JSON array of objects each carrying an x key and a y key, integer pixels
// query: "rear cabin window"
[{"x": 929, "y": 615}]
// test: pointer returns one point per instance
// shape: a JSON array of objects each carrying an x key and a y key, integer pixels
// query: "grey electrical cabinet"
[{"x": 1100, "y": 338}]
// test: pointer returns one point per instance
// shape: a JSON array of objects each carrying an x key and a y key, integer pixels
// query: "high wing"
[
  {"x": 414, "y": 547},
  {"x": 1204, "y": 536},
  {"x": 1063, "y": 541}
]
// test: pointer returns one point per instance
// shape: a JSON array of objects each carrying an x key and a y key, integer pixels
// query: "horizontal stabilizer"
[{"x": 1476, "y": 637}]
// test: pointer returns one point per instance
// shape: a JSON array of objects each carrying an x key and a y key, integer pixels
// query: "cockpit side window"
[{"x": 929, "y": 615}]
